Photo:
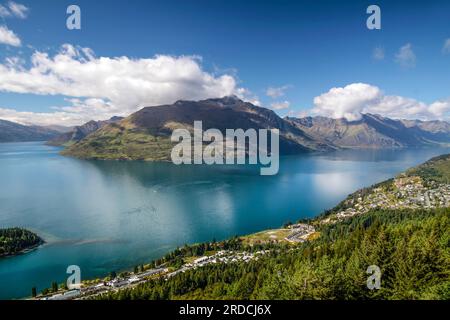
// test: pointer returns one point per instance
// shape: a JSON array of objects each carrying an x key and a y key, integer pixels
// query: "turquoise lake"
[{"x": 105, "y": 216}]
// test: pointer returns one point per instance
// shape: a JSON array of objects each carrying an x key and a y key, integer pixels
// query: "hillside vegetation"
[
  {"x": 16, "y": 240},
  {"x": 78, "y": 133},
  {"x": 436, "y": 169}
]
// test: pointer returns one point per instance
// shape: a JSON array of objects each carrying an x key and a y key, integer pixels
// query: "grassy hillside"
[
  {"x": 78, "y": 133},
  {"x": 122, "y": 141}
]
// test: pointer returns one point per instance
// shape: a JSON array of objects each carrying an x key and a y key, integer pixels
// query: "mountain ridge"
[
  {"x": 78, "y": 133},
  {"x": 375, "y": 131},
  {"x": 15, "y": 132}
]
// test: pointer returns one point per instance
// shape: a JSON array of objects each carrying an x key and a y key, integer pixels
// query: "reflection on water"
[
  {"x": 374, "y": 155},
  {"x": 106, "y": 216},
  {"x": 333, "y": 183}
]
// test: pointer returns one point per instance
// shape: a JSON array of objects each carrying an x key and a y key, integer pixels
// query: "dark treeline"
[
  {"x": 15, "y": 240},
  {"x": 410, "y": 247}
]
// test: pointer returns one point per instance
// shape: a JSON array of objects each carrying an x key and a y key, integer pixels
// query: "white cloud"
[
  {"x": 406, "y": 56},
  {"x": 4, "y": 12},
  {"x": 9, "y": 37},
  {"x": 76, "y": 112},
  {"x": 378, "y": 53},
  {"x": 280, "y": 105},
  {"x": 347, "y": 102},
  {"x": 440, "y": 108},
  {"x": 276, "y": 92},
  {"x": 43, "y": 118},
  {"x": 18, "y": 10},
  {"x": 355, "y": 99},
  {"x": 247, "y": 95},
  {"x": 446, "y": 48},
  {"x": 100, "y": 87}
]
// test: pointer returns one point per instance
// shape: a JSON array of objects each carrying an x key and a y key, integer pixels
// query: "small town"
[
  {"x": 408, "y": 193},
  {"x": 300, "y": 232},
  {"x": 131, "y": 280}
]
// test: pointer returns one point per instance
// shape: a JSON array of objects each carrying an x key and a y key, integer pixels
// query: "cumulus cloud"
[
  {"x": 77, "y": 111},
  {"x": 378, "y": 53},
  {"x": 355, "y": 99},
  {"x": 280, "y": 105},
  {"x": 8, "y": 37},
  {"x": 42, "y": 118},
  {"x": 446, "y": 48},
  {"x": 276, "y": 92},
  {"x": 100, "y": 87},
  {"x": 18, "y": 10},
  {"x": 406, "y": 57},
  {"x": 347, "y": 102}
]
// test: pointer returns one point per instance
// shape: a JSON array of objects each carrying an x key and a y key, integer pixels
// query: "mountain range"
[
  {"x": 145, "y": 134},
  {"x": 374, "y": 131},
  {"x": 78, "y": 133},
  {"x": 14, "y": 132}
]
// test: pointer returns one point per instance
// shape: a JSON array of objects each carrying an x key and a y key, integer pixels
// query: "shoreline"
[{"x": 24, "y": 251}]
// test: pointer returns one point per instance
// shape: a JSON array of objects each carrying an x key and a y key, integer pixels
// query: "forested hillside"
[{"x": 15, "y": 240}]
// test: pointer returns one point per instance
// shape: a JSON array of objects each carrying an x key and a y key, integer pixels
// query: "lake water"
[{"x": 106, "y": 216}]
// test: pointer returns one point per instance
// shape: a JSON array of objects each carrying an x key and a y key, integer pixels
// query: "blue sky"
[{"x": 303, "y": 48}]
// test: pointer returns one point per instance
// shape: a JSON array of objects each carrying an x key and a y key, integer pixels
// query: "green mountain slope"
[
  {"x": 78, "y": 133},
  {"x": 436, "y": 169}
]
